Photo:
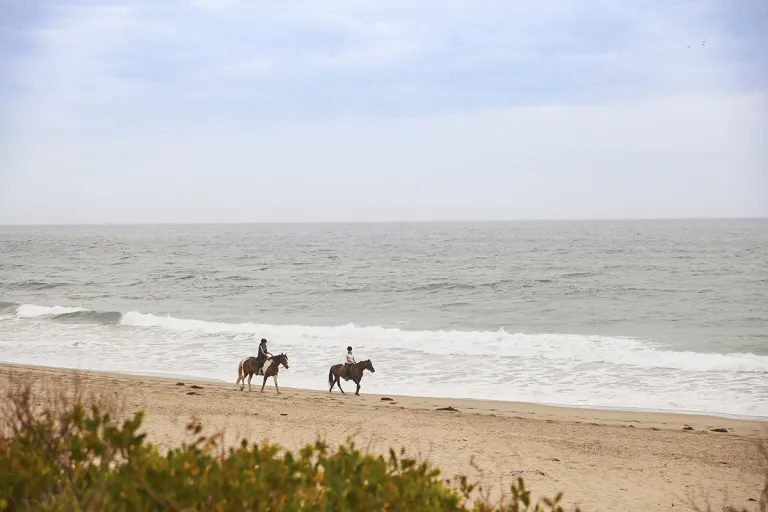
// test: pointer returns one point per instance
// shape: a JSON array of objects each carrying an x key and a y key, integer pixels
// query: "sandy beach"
[{"x": 601, "y": 460}]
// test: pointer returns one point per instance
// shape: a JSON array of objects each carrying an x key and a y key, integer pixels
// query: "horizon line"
[{"x": 446, "y": 221}]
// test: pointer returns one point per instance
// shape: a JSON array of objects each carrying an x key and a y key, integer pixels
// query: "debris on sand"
[
  {"x": 180, "y": 384},
  {"x": 687, "y": 427},
  {"x": 386, "y": 399},
  {"x": 192, "y": 393},
  {"x": 195, "y": 386},
  {"x": 449, "y": 408},
  {"x": 719, "y": 430},
  {"x": 528, "y": 472}
]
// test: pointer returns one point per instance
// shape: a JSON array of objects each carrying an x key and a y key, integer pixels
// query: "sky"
[{"x": 297, "y": 111}]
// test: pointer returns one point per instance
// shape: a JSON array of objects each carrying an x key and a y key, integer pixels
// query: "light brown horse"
[
  {"x": 270, "y": 368},
  {"x": 355, "y": 373}
]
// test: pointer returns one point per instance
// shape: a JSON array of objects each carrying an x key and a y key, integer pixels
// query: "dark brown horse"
[
  {"x": 355, "y": 373},
  {"x": 249, "y": 368}
]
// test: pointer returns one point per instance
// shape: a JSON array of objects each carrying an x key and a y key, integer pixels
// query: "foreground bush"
[
  {"x": 64, "y": 456},
  {"x": 81, "y": 459}
]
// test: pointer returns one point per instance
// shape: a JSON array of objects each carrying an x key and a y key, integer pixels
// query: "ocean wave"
[
  {"x": 35, "y": 285},
  {"x": 431, "y": 287},
  {"x": 62, "y": 313},
  {"x": 236, "y": 278},
  {"x": 89, "y": 316},
  {"x": 33, "y": 311},
  {"x": 435, "y": 287},
  {"x": 510, "y": 348},
  {"x": 8, "y": 306}
]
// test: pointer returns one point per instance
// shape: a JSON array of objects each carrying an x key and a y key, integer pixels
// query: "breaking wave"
[
  {"x": 566, "y": 348},
  {"x": 63, "y": 314}
]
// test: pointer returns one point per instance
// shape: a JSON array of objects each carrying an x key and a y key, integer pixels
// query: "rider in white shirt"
[{"x": 349, "y": 363}]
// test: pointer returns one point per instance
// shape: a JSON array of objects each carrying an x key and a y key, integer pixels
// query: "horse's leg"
[
  {"x": 338, "y": 383},
  {"x": 264, "y": 383},
  {"x": 276, "y": 387},
  {"x": 250, "y": 376},
  {"x": 358, "y": 388}
]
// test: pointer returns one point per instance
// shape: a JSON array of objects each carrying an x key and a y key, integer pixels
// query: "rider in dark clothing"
[{"x": 263, "y": 353}]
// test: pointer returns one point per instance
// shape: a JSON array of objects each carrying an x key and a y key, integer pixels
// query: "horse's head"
[
  {"x": 283, "y": 359},
  {"x": 369, "y": 366}
]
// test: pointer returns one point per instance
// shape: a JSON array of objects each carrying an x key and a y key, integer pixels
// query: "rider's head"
[
  {"x": 349, "y": 349},
  {"x": 263, "y": 341}
]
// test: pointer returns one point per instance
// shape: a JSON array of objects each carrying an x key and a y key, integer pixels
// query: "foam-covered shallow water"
[
  {"x": 489, "y": 313},
  {"x": 543, "y": 368}
]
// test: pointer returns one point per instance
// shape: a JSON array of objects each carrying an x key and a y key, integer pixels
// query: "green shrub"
[
  {"x": 62, "y": 456},
  {"x": 80, "y": 458}
]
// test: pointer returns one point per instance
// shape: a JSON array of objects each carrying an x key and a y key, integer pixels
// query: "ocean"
[{"x": 650, "y": 315}]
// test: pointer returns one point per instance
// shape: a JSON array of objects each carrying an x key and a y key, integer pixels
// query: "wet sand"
[{"x": 601, "y": 460}]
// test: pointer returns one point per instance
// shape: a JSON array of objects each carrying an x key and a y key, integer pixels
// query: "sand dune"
[{"x": 601, "y": 460}]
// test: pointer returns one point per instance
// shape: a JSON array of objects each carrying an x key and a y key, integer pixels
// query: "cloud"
[
  {"x": 508, "y": 53},
  {"x": 368, "y": 110}
]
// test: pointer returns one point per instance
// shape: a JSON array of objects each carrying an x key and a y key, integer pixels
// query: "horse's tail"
[
  {"x": 330, "y": 376},
  {"x": 240, "y": 370}
]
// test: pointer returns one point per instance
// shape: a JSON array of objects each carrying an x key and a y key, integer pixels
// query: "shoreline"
[
  {"x": 511, "y": 403},
  {"x": 599, "y": 459},
  {"x": 607, "y": 416}
]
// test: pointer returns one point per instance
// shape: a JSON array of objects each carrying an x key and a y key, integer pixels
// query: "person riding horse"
[
  {"x": 349, "y": 363},
  {"x": 263, "y": 353}
]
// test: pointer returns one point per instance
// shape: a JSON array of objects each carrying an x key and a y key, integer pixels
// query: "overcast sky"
[{"x": 228, "y": 111}]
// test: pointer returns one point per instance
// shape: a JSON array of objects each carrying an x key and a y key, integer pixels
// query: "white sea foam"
[
  {"x": 565, "y": 369},
  {"x": 32, "y": 311},
  {"x": 562, "y": 347}
]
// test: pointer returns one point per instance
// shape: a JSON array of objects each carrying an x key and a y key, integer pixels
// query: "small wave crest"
[
  {"x": 8, "y": 306},
  {"x": 33, "y": 311},
  {"x": 35, "y": 285},
  {"x": 62, "y": 313},
  {"x": 88, "y": 316}
]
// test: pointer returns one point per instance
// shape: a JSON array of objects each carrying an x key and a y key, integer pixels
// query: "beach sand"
[{"x": 601, "y": 460}]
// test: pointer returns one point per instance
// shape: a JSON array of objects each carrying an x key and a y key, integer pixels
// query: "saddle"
[{"x": 257, "y": 364}]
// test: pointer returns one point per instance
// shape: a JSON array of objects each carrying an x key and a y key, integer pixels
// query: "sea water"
[{"x": 656, "y": 315}]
